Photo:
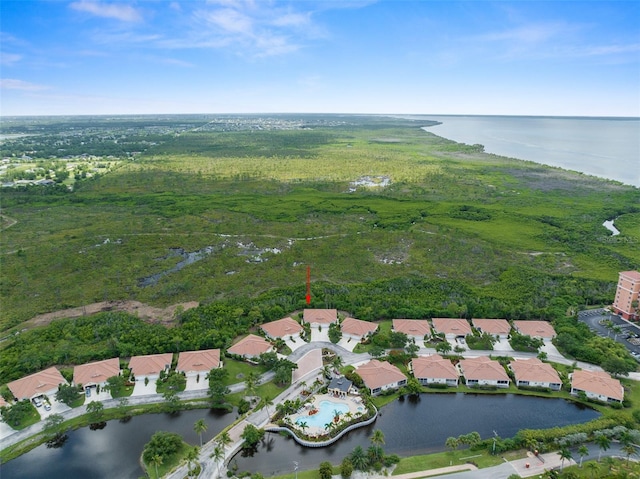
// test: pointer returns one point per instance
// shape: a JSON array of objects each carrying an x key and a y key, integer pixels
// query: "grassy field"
[{"x": 269, "y": 203}]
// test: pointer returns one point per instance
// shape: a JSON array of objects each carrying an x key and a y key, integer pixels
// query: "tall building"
[{"x": 626, "y": 302}]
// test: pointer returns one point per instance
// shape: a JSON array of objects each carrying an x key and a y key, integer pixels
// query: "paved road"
[
  {"x": 348, "y": 357},
  {"x": 260, "y": 418},
  {"x": 536, "y": 466},
  {"x": 592, "y": 318}
]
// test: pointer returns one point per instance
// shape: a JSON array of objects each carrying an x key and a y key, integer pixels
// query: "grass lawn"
[
  {"x": 445, "y": 459},
  {"x": 168, "y": 463},
  {"x": 28, "y": 420},
  {"x": 238, "y": 370},
  {"x": 601, "y": 469}
]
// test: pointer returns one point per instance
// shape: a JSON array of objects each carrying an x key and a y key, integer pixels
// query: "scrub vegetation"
[{"x": 456, "y": 233}]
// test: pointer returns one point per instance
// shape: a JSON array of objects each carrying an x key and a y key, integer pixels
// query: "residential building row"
[
  {"x": 96, "y": 374},
  {"x": 415, "y": 329},
  {"x": 379, "y": 376}
]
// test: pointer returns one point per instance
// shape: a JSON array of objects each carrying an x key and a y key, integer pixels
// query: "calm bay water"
[{"x": 604, "y": 147}]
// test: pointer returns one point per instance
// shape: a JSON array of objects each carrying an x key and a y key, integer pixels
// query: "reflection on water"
[
  {"x": 112, "y": 450},
  {"x": 421, "y": 426}
]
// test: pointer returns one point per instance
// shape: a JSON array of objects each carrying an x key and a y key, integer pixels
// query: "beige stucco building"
[{"x": 626, "y": 302}]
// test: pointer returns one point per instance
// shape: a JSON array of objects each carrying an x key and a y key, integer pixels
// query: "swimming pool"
[{"x": 325, "y": 414}]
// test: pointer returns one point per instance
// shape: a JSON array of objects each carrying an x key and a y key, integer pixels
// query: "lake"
[
  {"x": 410, "y": 427},
  {"x": 112, "y": 452},
  {"x": 604, "y": 147},
  {"x": 417, "y": 427}
]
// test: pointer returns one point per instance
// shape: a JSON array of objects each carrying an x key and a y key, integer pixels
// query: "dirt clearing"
[{"x": 149, "y": 314}]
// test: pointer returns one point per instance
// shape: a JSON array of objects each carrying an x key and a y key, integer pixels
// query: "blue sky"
[{"x": 339, "y": 56}]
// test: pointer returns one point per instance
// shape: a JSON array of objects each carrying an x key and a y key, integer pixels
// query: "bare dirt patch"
[{"x": 149, "y": 314}]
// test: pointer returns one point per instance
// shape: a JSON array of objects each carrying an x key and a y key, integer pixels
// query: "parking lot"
[{"x": 629, "y": 335}]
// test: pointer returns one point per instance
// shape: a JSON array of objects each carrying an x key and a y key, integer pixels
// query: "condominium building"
[{"x": 626, "y": 302}]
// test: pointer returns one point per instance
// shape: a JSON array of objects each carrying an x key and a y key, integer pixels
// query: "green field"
[{"x": 269, "y": 203}]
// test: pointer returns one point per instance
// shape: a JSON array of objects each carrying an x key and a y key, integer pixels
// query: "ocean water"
[{"x": 604, "y": 147}]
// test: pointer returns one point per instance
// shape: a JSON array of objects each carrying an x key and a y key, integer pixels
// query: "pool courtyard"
[{"x": 322, "y": 411}]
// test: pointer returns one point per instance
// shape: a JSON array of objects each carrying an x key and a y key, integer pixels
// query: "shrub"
[
  {"x": 346, "y": 468},
  {"x": 325, "y": 470}
]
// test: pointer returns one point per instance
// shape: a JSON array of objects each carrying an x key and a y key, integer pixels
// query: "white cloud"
[
  {"x": 230, "y": 20},
  {"x": 175, "y": 62},
  {"x": 612, "y": 49},
  {"x": 14, "y": 84},
  {"x": 529, "y": 34},
  {"x": 118, "y": 11},
  {"x": 292, "y": 20},
  {"x": 8, "y": 59}
]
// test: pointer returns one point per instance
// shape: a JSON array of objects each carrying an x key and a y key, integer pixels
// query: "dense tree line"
[
  {"x": 576, "y": 340},
  {"x": 215, "y": 325}
]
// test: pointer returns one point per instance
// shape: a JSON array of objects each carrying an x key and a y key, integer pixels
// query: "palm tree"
[
  {"x": 377, "y": 439},
  {"x": 594, "y": 467},
  {"x": 375, "y": 454},
  {"x": 338, "y": 362},
  {"x": 218, "y": 454},
  {"x": 603, "y": 443},
  {"x": 336, "y": 415},
  {"x": 156, "y": 460},
  {"x": 303, "y": 425},
  {"x": 267, "y": 402},
  {"x": 359, "y": 459},
  {"x": 192, "y": 456},
  {"x": 564, "y": 453},
  {"x": 224, "y": 439},
  {"x": 452, "y": 442},
  {"x": 629, "y": 451},
  {"x": 251, "y": 383},
  {"x": 199, "y": 427},
  {"x": 583, "y": 451}
]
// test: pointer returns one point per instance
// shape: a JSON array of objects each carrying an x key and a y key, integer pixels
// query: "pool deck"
[{"x": 352, "y": 402}]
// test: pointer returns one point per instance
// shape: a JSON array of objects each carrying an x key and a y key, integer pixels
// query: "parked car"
[
  {"x": 47, "y": 406},
  {"x": 37, "y": 401},
  {"x": 87, "y": 392}
]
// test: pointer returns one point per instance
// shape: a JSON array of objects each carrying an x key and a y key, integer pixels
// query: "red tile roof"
[
  {"x": 357, "y": 327},
  {"x": 597, "y": 382},
  {"x": 198, "y": 361},
  {"x": 535, "y": 329},
  {"x": 96, "y": 373},
  {"x": 282, "y": 328},
  {"x": 455, "y": 326},
  {"x": 412, "y": 327},
  {"x": 250, "y": 346},
  {"x": 150, "y": 364},
  {"x": 320, "y": 316},
  {"x": 36, "y": 384},
  {"x": 433, "y": 367},
  {"x": 534, "y": 370},
  {"x": 377, "y": 374},
  {"x": 492, "y": 326},
  {"x": 483, "y": 368}
]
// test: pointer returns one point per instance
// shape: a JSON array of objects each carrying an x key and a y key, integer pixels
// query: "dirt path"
[
  {"x": 145, "y": 312},
  {"x": 6, "y": 222}
]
